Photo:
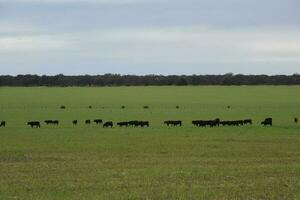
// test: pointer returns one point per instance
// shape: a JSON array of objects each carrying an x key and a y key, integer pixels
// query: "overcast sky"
[{"x": 149, "y": 36}]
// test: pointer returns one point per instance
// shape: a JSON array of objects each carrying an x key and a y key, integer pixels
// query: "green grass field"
[{"x": 89, "y": 162}]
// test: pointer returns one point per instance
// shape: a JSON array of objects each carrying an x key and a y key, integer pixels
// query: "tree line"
[{"x": 147, "y": 80}]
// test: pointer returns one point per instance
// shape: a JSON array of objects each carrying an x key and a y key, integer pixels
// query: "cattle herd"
[
  {"x": 218, "y": 122},
  {"x": 170, "y": 123}
]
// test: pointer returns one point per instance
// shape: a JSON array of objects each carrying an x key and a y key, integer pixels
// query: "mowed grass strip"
[{"x": 89, "y": 162}]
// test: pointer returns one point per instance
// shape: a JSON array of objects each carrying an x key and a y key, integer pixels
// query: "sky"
[{"x": 141, "y": 37}]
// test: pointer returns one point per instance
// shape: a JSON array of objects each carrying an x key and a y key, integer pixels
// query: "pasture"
[{"x": 90, "y": 162}]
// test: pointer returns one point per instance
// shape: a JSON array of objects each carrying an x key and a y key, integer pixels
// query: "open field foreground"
[{"x": 68, "y": 162}]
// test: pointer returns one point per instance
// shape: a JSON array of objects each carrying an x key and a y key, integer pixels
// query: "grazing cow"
[
  {"x": 248, "y": 121},
  {"x": 62, "y": 107},
  {"x": 87, "y": 121},
  {"x": 34, "y": 124},
  {"x": 217, "y": 121},
  {"x": 137, "y": 123},
  {"x": 177, "y": 107},
  {"x": 168, "y": 123},
  {"x": 236, "y": 122},
  {"x": 296, "y": 120},
  {"x": 108, "y": 124},
  {"x": 48, "y": 122},
  {"x": 121, "y": 124},
  {"x": 134, "y": 123},
  {"x": 75, "y": 122},
  {"x": 213, "y": 123},
  {"x": 239, "y": 122},
  {"x": 123, "y": 107},
  {"x": 173, "y": 123},
  {"x": 98, "y": 121},
  {"x": 229, "y": 123},
  {"x": 204, "y": 123},
  {"x": 199, "y": 123},
  {"x": 267, "y": 121},
  {"x": 53, "y": 122},
  {"x": 224, "y": 123},
  {"x": 2, "y": 124},
  {"x": 144, "y": 123}
]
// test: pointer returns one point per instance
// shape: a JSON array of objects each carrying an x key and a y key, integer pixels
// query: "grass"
[{"x": 89, "y": 162}]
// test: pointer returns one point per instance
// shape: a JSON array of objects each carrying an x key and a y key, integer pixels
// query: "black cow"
[
  {"x": 121, "y": 124},
  {"x": 236, "y": 122},
  {"x": 2, "y": 124},
  {"x": 230, "y": 123},
  {"x": 248, "y": 121},
  {"x": 296, "y": 120},
  {"x": 204, "y": 123},
  {"x": 137, "y": 123},
  {"x": 173, "y": 123},
  {"x": 34, "y": 124},
  {"x": 240, "y": 122},
  {"x": 217, "y": 121},
  {"x": 53, "y": 122},
  {"x": 213, "y": 123},
  {"x": 224, "y": 123},
  {"x": 144, "y": 123},
  {"x": 98, "y": 121},
  {"x": 75, "y": 122},
  {"x": 134, "y": 123},
  {"x": 108, "y": 124},
  {"x": 87, "y": 121},
  {"x": 48, "y": 122},
  {"x": 267, "y": 121},
  {"x": 198, "y": 123},
  {"x": 168, "y": 123}
]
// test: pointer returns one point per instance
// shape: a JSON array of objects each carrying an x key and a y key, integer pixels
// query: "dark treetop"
[{"x": 134, "y": 80}]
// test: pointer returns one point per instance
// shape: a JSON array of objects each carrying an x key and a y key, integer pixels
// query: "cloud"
[
  {"x": 111, "y": 2},
  {"x": 150, "y": 36},
  {"x": 192, "y": 45},
  {"x": 160, "y": 46},
  {"x": 281, "y": 47},
  {"x": 33, "y": 44}
]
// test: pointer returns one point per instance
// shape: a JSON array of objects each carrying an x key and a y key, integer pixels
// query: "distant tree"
[{"x": 133, "y": 80}]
